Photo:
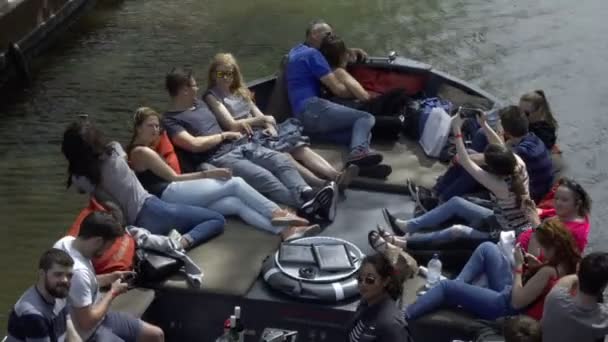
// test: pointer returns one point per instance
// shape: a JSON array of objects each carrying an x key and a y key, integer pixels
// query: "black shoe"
[
  {"x": 380, "y": 171},
  {"x": 412, "y": 188},
  {"x": 307, "y": 194},
  {"x": 320, "y": 204},
  {"x": 361, "y": 158},
  {"x": 392, "y": 222}
]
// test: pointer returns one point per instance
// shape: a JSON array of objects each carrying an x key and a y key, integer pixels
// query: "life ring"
[
  {"x": 309, "y": 289},
  {"x": 18, "y": 59}
]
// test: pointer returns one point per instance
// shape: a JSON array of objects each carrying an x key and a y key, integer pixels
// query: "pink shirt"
[{"x": 579, "y": 230}]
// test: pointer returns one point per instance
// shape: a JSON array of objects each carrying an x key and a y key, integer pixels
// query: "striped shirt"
[
  {"x": 33, "y": 319},
  {"x": 381, "y": 322},
  {"x": 509, "y": 214}
]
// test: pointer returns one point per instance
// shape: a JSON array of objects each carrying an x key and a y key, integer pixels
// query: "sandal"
[
  {"x": 388, "y": 237},
  {"x": 376, "y": 241}
]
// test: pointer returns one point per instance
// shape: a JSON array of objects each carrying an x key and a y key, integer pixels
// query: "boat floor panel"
[{"x": 406, "y": 157}]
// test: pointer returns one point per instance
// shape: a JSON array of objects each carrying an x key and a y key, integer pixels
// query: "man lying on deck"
[
  {"x": 307, "y": 70},
  {"x": 194, "y": 129}
]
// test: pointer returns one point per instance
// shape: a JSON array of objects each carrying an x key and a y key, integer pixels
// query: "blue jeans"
[
  {"x": 270, "y": 172},
  {"x": 195, "y": 223},
  {"x": 455, "y": 207},
  {"x": 456, "y": 181},
  {"x": 486, "y": 303},
  {"x": 231, "y": 197},
  {"x": 323, "y": 117}
]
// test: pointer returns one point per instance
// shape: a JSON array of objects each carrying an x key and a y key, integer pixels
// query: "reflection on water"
[{"x": 115, "y": 60}]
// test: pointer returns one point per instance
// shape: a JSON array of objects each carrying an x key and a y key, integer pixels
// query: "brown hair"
[
  {"x": 141, "y": 114},
  {"x": 238, "y": 85},
  {"x": 55, "y": 256},
  {"x": 177, "y": 79},
  {"x": 513, "y": 121},
  {"x": 553, "y": 233},
  {"x": 522, "y": 329},
  {"x": 385, "y": 270},
  {"x": 582, "y": 197},
  {"x": 541, "y": 106},
  {"x": 501, "y": 161},
  {"x": 334, "y": 51}
]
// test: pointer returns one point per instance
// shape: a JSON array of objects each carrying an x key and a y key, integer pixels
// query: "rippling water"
[{"x": 115, "y": 59}]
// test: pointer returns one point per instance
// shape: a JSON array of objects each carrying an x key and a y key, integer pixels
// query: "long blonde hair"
[
  {"x": 541, "y": 106},
  {"x": 238, "y": 85}
]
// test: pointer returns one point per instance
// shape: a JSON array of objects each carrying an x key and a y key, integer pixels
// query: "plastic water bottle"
[{"x": 433, "y": 271}]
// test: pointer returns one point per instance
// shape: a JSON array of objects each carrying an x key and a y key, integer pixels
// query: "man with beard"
[
  {"x": 89, "y": 309},
  {"x": 40, "y": 314}
]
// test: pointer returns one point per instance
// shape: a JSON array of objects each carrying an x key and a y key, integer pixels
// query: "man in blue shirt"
[
  {"x": 307, "y": 69},
  {"x": 40, "y": 314}
]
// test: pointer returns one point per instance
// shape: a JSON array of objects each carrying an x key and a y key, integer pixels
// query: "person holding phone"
[
  {"x": 215, "y": 189},
  {"x": 89, "y": 308},
  {"x": 504, "y": 176},
  {"x": 511, "y": 290}
]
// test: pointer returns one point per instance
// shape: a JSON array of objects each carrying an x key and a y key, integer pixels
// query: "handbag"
[{"x": 153, "y": 266}]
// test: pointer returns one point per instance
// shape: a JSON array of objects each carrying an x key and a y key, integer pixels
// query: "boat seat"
[
  {"x": 278, "y": 103},
  {"x": 135, "y": 301}
]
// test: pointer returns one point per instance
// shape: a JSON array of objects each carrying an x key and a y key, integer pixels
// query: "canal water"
[{"x": 114, "y": 61}]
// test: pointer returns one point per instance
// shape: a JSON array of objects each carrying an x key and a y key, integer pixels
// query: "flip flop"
[
  {"x": 374, "y": 240},
  {"x": 388, "y": 237}
]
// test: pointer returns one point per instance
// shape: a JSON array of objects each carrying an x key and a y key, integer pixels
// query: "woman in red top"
[
  {"x": 510, "y": 291},
  {"x": 572, "y": 206}
]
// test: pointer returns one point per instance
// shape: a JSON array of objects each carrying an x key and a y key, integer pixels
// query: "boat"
[
  {"x": 28, "y": 27},
  {"x": 233, "y": 263}
]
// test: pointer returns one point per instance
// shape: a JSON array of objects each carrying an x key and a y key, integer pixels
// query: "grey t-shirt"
[
  {"x": 198, "y": 121},
  {"x": 119, "y": 184},
  {"x": 84, "y": 289},
  {"x": 565, "y": 321}
]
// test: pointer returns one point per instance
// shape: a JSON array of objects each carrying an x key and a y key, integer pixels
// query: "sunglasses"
[
  {"x": 224, "y": 74},
  {"x": 369, "y": 280}
]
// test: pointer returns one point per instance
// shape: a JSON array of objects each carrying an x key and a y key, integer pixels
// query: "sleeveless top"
[
  {"x": 535, "y": 310},
  {"x": 152, "y": 183},
  {"x": 238, "y": 106},
  {"x": 510, "y": 215}
]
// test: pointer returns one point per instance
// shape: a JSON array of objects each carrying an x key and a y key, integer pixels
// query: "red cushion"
[{"x": 119, "y": 257}]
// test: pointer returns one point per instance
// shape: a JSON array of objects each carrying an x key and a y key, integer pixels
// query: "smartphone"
[{"x": 466, "y": 112}]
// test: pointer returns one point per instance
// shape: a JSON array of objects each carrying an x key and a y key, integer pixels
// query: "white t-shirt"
[{"x": 84, "y": 290}]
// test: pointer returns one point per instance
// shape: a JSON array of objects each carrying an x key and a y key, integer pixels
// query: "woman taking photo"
[
  {"x": 378, "y": 318},
  {"x": 510, "y": 291},
  {"x": 504, "y": 176},
  {"x": 100, "y": 168},
  {"x": 215, "y": 189},
  {"x": 232, "y": 103}
]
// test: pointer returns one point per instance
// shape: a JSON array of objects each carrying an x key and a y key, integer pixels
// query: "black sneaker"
[
  {"x": 380, "y": 171},
  {"x": 364, "y": 157},
  {"x": 320, "y": 205}
]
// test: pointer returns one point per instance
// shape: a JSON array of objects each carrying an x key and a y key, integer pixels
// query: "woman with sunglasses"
[
  {"x": 510, "y": 291},
  {"x": 215, "y": 189},
  {"x": 378, "y": 318},
  {"x": 572, "y": 206},
  {"x": 232, "y": 103}
]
